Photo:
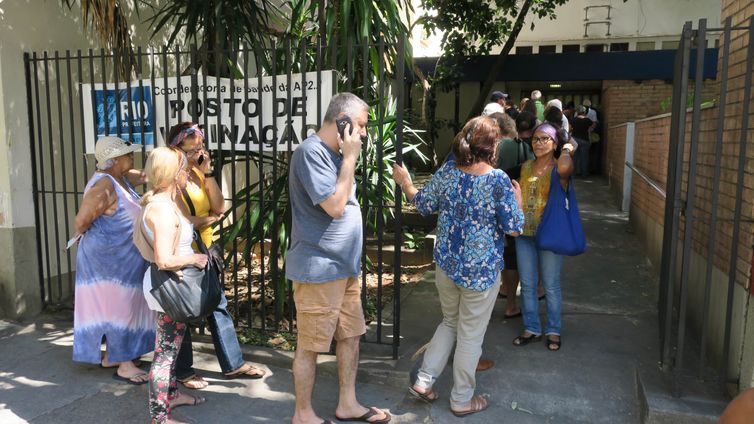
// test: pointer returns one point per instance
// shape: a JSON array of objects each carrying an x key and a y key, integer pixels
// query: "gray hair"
[
  {"x": 587, "y": 102},
  {"x": 345, "y": 104},
  {"x": 536, "y": 95},
  {"x": 581, "y": 110},
  {"x": 105, "y": 165}
]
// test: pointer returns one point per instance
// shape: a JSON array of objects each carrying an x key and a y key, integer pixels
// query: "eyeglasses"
[{"x": 541, "y": 140}]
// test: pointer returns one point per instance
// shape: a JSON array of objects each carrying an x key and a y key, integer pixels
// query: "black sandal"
[
  {"x": 524, "y": 340},
  {"x": 549, "y": 343}
]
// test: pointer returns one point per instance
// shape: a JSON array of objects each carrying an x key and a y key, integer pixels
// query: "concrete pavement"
[{"x": 609, "y": 333}]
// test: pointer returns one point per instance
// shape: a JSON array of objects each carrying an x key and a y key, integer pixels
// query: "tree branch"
[{"x": 500, "y": 61}]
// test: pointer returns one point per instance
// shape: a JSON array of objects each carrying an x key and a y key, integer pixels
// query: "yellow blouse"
[
  {"x": 200, "y": 200},
  {"x": 535, "y": 191}
]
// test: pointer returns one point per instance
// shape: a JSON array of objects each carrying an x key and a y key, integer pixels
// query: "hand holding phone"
[
  {"x": 341, "y": 123},
  {"x": 350, "y": 146}
]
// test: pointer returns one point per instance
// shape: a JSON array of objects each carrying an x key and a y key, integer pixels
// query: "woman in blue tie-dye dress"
[{"x": 109, "y": 303}]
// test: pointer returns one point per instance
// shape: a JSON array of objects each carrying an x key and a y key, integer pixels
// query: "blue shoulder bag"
[{"x": 560, "y": 229}]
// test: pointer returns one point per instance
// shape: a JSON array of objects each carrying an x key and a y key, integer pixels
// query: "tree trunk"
[{"x": 500, "y": 62}]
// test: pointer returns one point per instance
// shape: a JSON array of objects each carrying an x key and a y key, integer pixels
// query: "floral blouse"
[{"x": 475, "y": 211}]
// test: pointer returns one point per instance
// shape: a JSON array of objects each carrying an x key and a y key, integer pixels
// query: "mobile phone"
[
  {"x": 200, "y": 160},
  {"x": 341, "y": 123}
]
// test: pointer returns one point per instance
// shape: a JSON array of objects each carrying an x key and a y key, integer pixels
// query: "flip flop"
[
  {"x": 369, "y": 414},
  {"x": 137, "y": 364},
  {"x": 130, "y": 380},
  {"x": 195, "y": 382},
  {"x": 246, "y": 370},
  {"x": 506, "y": 316},
  {"x": 426, "y": 396},
  {"x": 198, "y": 400},
  {"x": 549, "y": 343},
  {"x": 524, "y": 340}
]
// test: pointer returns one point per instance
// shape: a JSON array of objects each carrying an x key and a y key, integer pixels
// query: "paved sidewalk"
[{"x": 609, "y": 332}]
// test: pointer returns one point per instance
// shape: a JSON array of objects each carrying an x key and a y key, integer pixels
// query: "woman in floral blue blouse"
[{"x": 477, "y": 205}]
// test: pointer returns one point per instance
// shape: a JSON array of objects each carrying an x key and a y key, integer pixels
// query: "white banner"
[{"x": 240, "y": 115}]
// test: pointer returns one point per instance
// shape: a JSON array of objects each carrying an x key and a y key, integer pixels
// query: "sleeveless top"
[
  {"x": 200, "y": 201},
  {"x": 184, "y": 248},
  {"x": 535, "y": 191}
]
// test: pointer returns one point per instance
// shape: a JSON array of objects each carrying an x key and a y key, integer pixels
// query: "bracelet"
[{"x": 210, "y": 174}]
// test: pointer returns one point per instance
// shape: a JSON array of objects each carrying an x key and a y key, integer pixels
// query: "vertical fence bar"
[
  {"x": 456, "y": 109},
  {"x": 290, "y": 134},
  {"x": 167, "y": 97},
  {"x": 233, "y": 188},
  {"x": 61, "y": 143},
  {"x": 142, "y": 111},
  {"x": 106, "y": 114},
  {"x": 247, "y": 192},
  {"x": 129, "y": 98},
  {"x": 53, "y": 174},
  {"x": 34, "y": 182},
  {"x": 275, "y": 274},
  {"x": 673, "y": 201},
  {"x": 69, "y": 81},
  {"x": 711, "y": 232},
  {"x": 688, "y": 232},
  {"x": 304, "y": 99},
  {"x": 80, "y": 71},
  {"x": 364, "y": 176},
  {"x": 179, "y": 96},
  {"x": 42, "y": 187},
  {"x": 400, "y": 74},
  {"x": 732, "y": 269},
  {"x": 380, "y": 181},
  {"x": 261, "y": 188},
  {"x": 116, "y": 92}
]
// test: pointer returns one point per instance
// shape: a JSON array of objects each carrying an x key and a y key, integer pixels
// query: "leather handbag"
[
  {"x": 560, "y": 230},
  {"x": 190, "y": 295}
]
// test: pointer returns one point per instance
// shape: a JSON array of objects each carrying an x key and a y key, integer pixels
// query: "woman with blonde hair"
[{"x": 164, "y": 236}]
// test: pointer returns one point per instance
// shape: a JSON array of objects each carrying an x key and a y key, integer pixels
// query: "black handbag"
[{"x": 190, "y": 296}]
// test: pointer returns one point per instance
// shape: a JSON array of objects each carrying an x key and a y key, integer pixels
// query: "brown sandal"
[
  {"x": 478, "y": 403},
  {"x": 428, "y": 396},
  {"x": 195, "y": 382},
  {"x": 246, "y": 370}
]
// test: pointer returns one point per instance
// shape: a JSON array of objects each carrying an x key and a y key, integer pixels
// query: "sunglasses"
[{"x": 541, "y": 140}]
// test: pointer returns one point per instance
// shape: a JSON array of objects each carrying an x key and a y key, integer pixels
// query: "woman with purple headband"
[
  {"x": 552, "y": 149},
  {"x": 203, "y": 204}
]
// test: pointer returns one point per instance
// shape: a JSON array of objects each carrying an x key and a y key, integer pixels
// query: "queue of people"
[{"x": 489, "y": 197}]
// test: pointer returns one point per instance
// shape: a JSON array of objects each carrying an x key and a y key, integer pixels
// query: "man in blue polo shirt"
[{"x": 324, "y": 259}]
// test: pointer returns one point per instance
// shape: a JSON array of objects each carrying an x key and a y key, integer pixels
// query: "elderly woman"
[
  {"x": 164, "y": 236},
  {"x": 203, "y": 203},
  {"x": 535, "y": 264},
  {"x": 109, "y": 305},
  {"x": 477, "y": 205}
]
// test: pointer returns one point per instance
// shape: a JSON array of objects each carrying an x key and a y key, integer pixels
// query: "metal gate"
[
  {"x": 706, "y": 153},
  {"x": 256, "y": 232}
]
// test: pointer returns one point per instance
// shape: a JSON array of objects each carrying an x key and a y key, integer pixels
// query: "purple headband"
[
  {"x": 549, "y": 130},
  {"x": 186, "y": 132}
]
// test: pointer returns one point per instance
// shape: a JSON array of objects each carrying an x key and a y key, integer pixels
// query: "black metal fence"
[
  {"x": 705, "y": 154},
  {"x": 252, "y": 151}
]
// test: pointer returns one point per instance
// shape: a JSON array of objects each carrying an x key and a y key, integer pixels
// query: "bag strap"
[{"x": 187, "y": 199}]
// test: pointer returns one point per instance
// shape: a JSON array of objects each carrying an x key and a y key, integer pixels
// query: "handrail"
[{"x": 652, "y": 183}]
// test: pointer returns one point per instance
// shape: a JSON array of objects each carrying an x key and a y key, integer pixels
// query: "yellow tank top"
[
  {"x": 535, "y": 191},
  {"x": 200, "y": 200}
]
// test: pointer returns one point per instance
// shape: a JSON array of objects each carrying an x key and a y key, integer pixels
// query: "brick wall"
[
  {"x": 615, "y": 149},
  {"x": 651, "y": 156}
]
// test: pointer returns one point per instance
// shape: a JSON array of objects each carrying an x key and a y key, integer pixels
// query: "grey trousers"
[{"x": 466, "y": 314}]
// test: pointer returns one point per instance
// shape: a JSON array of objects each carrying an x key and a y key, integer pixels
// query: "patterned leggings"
[{"x": 162, "y": 384}]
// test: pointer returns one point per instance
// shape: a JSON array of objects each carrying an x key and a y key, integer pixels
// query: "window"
[
  {"x": 618, "y": 47},
  {"x": 547, "y": 49},
  {"x": 524, "y": 50},
  {"x": 670, "y": 45},
  {"x": 643, "y": 46},
  {"x": 571, "y": 48},
  {"x": 595, "y": 48}
]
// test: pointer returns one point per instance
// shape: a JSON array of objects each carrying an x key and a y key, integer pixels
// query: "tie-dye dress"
[{"x": 109, "y": 302}]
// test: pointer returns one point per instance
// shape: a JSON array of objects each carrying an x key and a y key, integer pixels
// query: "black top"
[{"x": 580, "y": 127}]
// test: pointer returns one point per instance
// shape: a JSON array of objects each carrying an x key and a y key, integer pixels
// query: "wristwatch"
[{"x": 209, "y": 174}]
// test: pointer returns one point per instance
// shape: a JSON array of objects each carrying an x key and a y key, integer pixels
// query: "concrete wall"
[{"x": 26, "y": 26}]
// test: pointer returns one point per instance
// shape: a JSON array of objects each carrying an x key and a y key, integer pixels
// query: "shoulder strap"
[{"x": 189, "y": 203}]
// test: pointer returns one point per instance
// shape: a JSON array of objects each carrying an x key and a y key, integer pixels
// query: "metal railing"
[{"x": 252, "y": 156}]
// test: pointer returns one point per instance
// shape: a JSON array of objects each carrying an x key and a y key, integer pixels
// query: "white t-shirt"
[{"x": 492, "y": 107}]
